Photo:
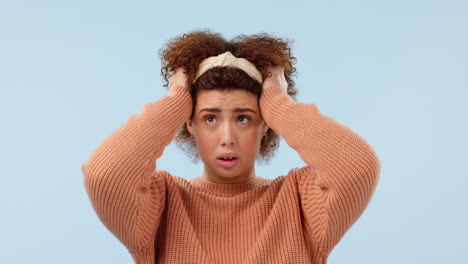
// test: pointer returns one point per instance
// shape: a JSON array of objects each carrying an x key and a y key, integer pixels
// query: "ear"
[
  {"x": 265, "y": 128},
  {"x": 189, "y": 126}
]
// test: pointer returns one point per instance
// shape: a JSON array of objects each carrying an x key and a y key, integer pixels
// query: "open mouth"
[{"x": 227, "y": 159}]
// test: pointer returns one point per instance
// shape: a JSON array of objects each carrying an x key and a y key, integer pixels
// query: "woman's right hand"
[{"x": 179, "y": 77}]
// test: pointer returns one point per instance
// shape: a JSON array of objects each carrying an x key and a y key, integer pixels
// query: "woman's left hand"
[{"x": 276, "y": 77}]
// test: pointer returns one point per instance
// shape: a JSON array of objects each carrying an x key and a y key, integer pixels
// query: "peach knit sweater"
[{"x": 293, "y": 218}]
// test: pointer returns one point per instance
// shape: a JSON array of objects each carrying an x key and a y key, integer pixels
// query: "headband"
[{"x": 227, "y": 59}]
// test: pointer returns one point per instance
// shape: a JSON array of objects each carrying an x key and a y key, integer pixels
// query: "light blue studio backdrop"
[{"x": 395, "y": 72}]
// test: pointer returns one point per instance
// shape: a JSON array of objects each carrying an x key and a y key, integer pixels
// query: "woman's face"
[{"x": 227, "y": 121}]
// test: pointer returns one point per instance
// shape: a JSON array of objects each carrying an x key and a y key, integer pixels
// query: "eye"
[
  {"x": 209, "y": 119},
  {"x": 243, "y": 119},
  {"x": 246, "y": 119}
]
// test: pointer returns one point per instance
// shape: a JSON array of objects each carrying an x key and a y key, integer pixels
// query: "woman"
[{"x": 229, "y": 100}]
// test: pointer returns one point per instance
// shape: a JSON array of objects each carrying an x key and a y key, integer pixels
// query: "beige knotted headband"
[{"x": 227, "y": 59}]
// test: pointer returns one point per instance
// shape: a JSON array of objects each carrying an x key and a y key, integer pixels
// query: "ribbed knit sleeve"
[
  {"x": 342, "y": 172},
  {"x": 120, "y": 176}
]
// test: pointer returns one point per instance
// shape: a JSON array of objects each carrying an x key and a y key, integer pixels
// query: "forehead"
[{"x": 226, "y": 99}]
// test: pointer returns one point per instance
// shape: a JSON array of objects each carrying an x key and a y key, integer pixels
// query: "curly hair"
[{"x": 263, "y": 50}]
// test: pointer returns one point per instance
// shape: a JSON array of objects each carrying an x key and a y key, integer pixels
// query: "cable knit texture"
[{"x": 293, "y": 218}]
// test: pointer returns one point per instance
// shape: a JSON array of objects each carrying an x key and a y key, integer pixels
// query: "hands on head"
[
  {"x": 179, "y": 77},
  {"x": 275, "y": 78}
]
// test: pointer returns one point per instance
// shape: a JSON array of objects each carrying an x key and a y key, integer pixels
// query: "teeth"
[{"x": 227, "y": 158}]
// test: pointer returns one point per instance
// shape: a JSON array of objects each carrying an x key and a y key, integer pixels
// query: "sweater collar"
[{"x": 227, "y": 189}]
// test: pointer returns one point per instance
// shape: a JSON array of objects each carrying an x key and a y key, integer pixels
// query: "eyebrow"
[{"x": 235, "y": 110}]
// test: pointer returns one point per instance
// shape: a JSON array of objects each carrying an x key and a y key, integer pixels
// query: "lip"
[
  {"x": 227, "y": 164},
  {"x": 228, "y": 155}
]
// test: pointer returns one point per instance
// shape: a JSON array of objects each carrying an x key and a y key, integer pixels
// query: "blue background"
[{"x": 396, "y": 72}]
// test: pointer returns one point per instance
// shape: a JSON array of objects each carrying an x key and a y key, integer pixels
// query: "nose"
[{"x": 228, "y": 135}]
